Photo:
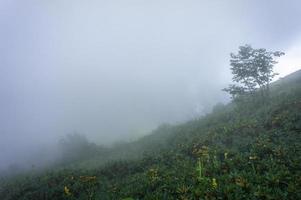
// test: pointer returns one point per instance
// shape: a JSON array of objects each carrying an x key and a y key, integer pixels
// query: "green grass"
[{"x": 244, "y": 150}]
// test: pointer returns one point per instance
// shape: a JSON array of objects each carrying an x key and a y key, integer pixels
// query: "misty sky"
[{"x": 115, "y": 69}]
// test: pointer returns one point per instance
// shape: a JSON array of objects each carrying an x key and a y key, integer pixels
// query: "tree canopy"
[{"x": 252, "y": 69}]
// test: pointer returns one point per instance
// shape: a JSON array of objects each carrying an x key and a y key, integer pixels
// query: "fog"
[{"x": 115, "y": 70}]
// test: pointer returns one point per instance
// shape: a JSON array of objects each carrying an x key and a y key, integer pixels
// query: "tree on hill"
[
  {"x": 252, "y": 69},
  {"x": 75, "y": 146}
]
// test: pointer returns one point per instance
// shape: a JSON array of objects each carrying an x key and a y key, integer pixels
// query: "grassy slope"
[{"x": 240, "y": 151}]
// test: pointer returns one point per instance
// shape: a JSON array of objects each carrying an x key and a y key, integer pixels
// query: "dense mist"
[{"x": 115, "y": 70}]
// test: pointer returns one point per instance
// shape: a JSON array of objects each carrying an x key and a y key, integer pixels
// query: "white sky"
[{"x": 291, "y": 61}]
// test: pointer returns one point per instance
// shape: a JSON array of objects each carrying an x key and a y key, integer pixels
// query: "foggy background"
[{"x": 115, "y": 69}]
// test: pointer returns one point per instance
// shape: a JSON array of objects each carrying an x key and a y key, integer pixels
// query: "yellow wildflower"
[
  {"x": 214, "y": 183},
  {"x": 67, "y": 191},
  {"x": 203, "y": 152},
  {"x": 153, "y": 174},
  {"x": 183, "y": 189},
  {"x": 241, "y": 182},
  {"x": 87, "y": 178},
  {"x": 253, "y": 157}
]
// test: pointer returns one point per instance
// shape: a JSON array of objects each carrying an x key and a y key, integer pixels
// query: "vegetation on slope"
[{"x": 248, "y": 149}]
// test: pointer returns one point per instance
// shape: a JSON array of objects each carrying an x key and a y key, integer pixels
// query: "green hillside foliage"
[{"x": 248, "y": 149}]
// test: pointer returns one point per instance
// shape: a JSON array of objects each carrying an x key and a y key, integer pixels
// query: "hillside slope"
[{"x": 244, "y": 150}]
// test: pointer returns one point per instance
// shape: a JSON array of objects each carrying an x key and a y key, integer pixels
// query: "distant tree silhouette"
[{"x": 76, "y": 146}]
